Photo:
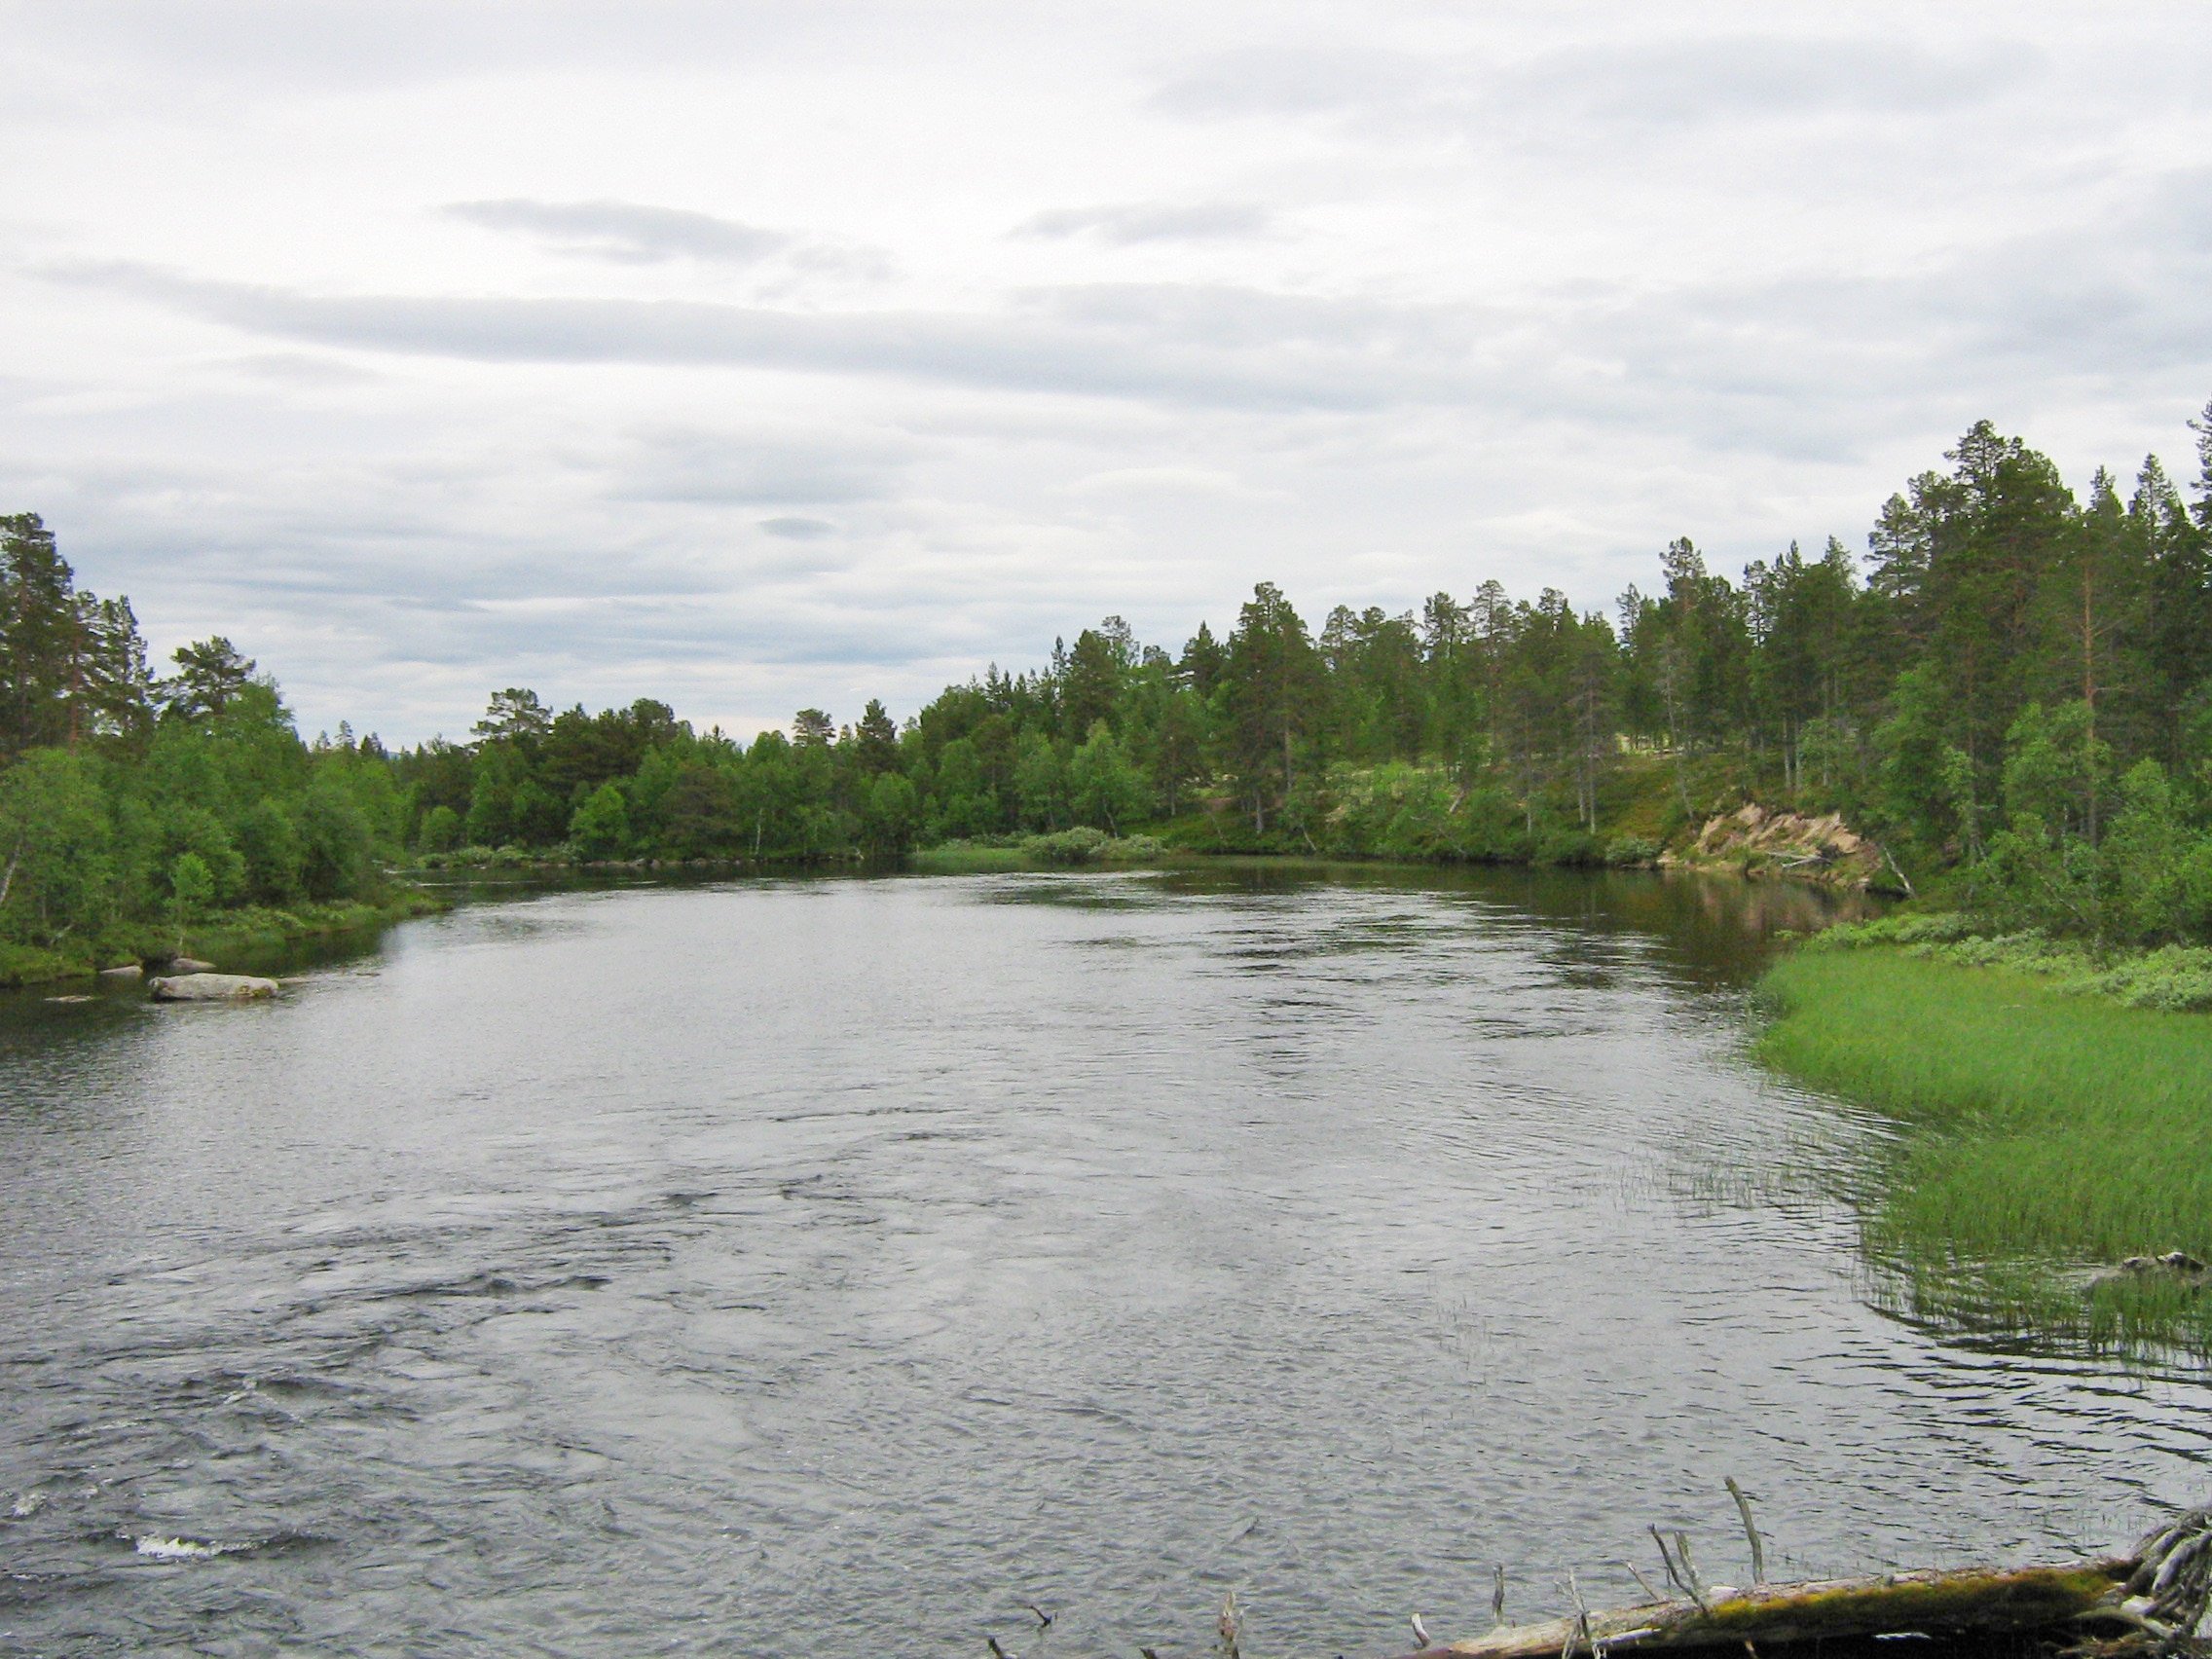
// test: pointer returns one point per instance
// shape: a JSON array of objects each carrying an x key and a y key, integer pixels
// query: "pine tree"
[{"x": 1271, "y": 687}]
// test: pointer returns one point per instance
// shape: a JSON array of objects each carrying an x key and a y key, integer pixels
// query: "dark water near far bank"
[{"x": 829, "y": 1266}]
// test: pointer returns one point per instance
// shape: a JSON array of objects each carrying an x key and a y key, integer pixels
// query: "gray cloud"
[
  {"x": 740, "y": 470},
  {"x": 794, "y": 529},
  {"x": 1293, "y": 80},
  {"x": 275, "y": 46},
  {"x": 628, "y": 233},
  {"x": 297, "y": 368},
  {"x": 1681, "y": 81},
  {"x": 1667, "y": 81},
  {"x": 1802, "y": 363},
  {"x": 1200, "y": 347},
  {"x": 1240, "y": 319},
  {"x": 1152, "y": 221}
]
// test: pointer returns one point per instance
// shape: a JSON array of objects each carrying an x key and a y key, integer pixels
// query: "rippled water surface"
[{"x": 834, "y": 1267}]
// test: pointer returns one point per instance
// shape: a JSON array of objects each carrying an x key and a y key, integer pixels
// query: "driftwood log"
[{"x": 2145, "y": 1602}]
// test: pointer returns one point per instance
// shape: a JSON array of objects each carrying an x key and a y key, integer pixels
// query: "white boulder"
[{"x": 210, "y": 988}]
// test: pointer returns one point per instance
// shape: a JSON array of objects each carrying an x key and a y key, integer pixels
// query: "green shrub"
[
  {"x": 2175, "y": 977},
  {"x": 1132, "y": 849},
  {"x": 600, "y": 828},
  {"x": 1631, "y": 852},
  {"x": 1079, "y": 845},
  {"x": 334, "y": 841},
  {"x": 274, "y": 857},
  {"x": 441, "y": 830},
  {"x": 1570, "y": 847}
]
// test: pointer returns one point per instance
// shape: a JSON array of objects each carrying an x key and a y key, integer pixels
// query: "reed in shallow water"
[{"x": 2043, "y": 1132}]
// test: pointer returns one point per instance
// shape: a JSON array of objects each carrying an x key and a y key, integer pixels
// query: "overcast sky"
[{"x": 755, "y": 356}]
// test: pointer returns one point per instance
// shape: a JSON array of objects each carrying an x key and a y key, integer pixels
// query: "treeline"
[
  {"x": 133, "y": 806},
  {"x": 2013, "y": 690}
]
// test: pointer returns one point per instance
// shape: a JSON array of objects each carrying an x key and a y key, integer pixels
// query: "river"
[{"x": 834, "y": 1267}]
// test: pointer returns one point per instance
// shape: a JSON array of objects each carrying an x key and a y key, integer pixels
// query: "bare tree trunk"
[
  {"x": 2049, "y": 1598},
  {"x": 2089, "y": 695}
]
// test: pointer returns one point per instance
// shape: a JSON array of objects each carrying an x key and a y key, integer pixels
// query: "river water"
[{"x": 831, "y": 1268}]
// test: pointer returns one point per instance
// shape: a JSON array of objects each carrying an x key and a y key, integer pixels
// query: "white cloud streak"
[
  {"x": 628, "y": 233},
  {"x": 1132, "y": 223}
]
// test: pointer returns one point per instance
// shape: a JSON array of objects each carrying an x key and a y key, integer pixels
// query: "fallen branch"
[
  {"x": 1779, "y": 1614},
  {"x": 1744, "y": 1509},
  {"x": 2136, "y": 1606}
]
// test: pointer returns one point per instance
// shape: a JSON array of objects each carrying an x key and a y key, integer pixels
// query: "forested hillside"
[{"x": 2012, "y": 689}]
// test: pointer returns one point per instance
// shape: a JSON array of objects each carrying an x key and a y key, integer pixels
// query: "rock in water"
[
  {"x": 191, "y": 965},
  {"x": 127, "y": 971},
  {"x": 210, "y": 988}
]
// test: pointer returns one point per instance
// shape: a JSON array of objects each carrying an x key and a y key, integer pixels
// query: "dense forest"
[{"x": 2012, "y": 689}]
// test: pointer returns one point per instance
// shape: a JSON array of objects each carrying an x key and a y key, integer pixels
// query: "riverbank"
[
  {"x": 2046, "y": 1135},
  {"x": 1647, "y": 811},
  {"x": 2176, "y": 977},
  {"x": 224, "y": 938}
]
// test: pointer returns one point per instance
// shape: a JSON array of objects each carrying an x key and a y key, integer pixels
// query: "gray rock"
[
  {"x": 210, "y": 988},
  {"x": 127, "y": 971},
  {"x": 2175, "y": 1264},
  {"x": 191, "y": 965}
]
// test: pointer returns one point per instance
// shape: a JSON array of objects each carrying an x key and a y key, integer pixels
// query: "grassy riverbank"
[
  {"x": 260, "y": 929},
  {"x": 2043, "y": 1132},
  {"x": 230, "y": 936}
]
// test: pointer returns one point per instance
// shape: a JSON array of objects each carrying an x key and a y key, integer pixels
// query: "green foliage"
[
  {"x": 192, "y": 888},
  {"x": 2042, "y": 1128},
  {"x": 333, "y": 841},
  {"x": 893, "y": 814},
  {"x": 1631, "y": 852},
  {"x": 1085, "y": 845},
  {"x": 1079, "y": 845},
  {"x": 600, "y": 828},
  {"x": 210, "y": 676},
  {"x": 72, "y": 667},
  {"x": 1041, "y": 783},
  {"x": 499, "y": 773},
  {"x": 59, "y": 876},
  {"x": 2175, "y": 977},
  {"x": 2015, "y": 702},
  {"x": 271, "y": 855},
  {"x": 441, "y": 830},
  {"x": 1104, "y": 789}
]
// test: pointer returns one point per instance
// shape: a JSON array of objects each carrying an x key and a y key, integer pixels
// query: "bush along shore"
[{"x": 250, "y": 934}]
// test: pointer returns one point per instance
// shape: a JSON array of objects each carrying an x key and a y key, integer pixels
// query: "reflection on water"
[{"x": 802, "y": 1266}]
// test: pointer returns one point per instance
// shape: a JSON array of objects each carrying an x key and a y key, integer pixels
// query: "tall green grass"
[
  {"x": 2045, "y": 1133},
  {"x": 1078, "y": 846}
]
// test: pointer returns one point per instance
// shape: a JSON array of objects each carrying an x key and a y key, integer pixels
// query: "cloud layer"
[
  {"x": 629, "y": 233},
  {"x": 759, "y": 358}
]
